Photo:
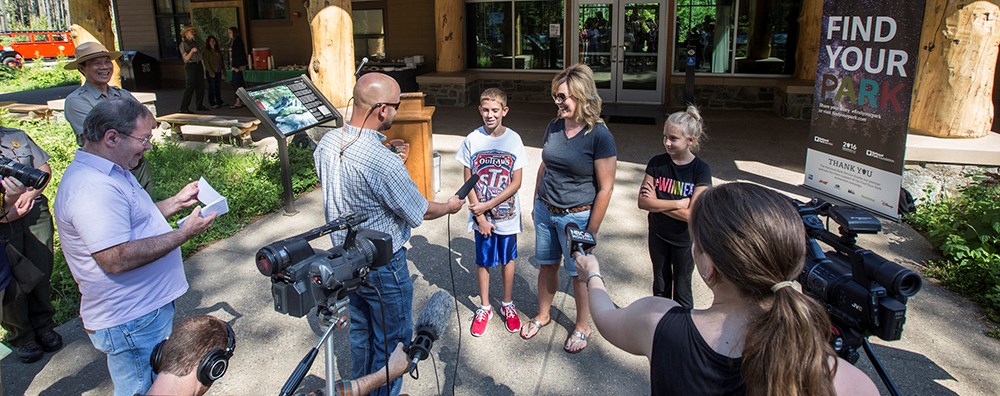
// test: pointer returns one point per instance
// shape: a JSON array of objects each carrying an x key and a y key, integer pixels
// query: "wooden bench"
[
  {"x": 28, "y": 111},
  {"x": 212, "y": 126}
]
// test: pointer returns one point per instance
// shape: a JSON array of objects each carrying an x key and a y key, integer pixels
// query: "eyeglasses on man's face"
[{"x": 144, "y": 141}]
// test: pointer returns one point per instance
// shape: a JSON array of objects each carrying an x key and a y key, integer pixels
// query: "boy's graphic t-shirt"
[
  {"x": 494, "y": 160},
  {"x": 672, "y": 181}
]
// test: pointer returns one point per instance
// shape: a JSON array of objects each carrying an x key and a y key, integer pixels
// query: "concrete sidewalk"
[{"x": 943, "y": 350}]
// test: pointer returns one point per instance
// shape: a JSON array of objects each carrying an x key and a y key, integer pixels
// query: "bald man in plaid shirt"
[{"x": 361, "y": 175}]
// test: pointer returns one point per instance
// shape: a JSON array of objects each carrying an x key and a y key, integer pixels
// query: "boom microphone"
[
  {"x": 469, "y": 184},
  {"x": 431, "y": 324}
]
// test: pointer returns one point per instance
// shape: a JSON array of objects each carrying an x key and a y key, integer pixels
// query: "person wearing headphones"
[
  {"x": 197, "y": 354},
  {"x": 194, "y": 357}
]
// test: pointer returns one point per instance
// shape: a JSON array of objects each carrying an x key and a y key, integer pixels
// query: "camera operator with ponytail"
[{"x": 760, "y": 336}]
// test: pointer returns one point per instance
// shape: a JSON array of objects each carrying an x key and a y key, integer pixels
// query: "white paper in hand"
[{"x": 213, "y": 201}]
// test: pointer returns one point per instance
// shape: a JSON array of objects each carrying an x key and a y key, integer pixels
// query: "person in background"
[
  {"x": 761, "y": 335},
  {"x": 671, "y": 185},
  {"x": 194, "y": 73},
  {"x": 122, "y": 253},
  {"x": 28, "y": 228},
  {"x": 96, "y": 64},
  {"x": 575, "y": 182},
  {"x": 237, "y": 62},
  {"x": 12, "y": 189},
  {"x": 212, "y": 61}
]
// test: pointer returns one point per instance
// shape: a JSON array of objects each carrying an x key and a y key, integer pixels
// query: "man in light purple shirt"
[{"x": 124, "y": 255}]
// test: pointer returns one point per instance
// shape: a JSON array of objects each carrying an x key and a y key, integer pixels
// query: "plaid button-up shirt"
[{"x": 361, "y": 175}]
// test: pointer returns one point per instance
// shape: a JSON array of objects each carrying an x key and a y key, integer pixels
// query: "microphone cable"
[{"x": 458, "y": 316}]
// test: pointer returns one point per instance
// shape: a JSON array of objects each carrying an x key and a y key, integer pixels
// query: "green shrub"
[
  {"x": 249, "y": 180},
  {"x": 37, "y": 75},
  {"x": 966, "y": 228}
]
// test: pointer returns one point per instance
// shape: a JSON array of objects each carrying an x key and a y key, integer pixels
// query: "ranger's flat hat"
[{"x": 90, "y": 50}]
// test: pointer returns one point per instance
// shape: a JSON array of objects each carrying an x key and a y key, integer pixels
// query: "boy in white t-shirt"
[{"x": 496, "y": 154}]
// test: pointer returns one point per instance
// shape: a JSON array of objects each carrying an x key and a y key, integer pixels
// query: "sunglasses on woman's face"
[{"x": 560, "y": 97}]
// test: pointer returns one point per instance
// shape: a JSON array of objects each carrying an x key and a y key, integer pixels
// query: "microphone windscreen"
[
  {"x": 571, "y": 226},
  {"x": 436, "y": 314},
  {"x": 469, "y": 184}
]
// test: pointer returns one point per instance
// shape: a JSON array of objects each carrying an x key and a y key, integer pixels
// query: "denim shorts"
[
  {"x": 129, "y": 345},
  {"x": 550, "y": 236}
]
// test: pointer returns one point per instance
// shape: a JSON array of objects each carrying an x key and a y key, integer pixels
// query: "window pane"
[
  {"x": 164, "y": 6},
  {"x": 41, "y": 38},
  {"x": 182, "y": 6},
  {"x": 369, "y": 33},
  {"x": 267, "y": 9},
  {"x": 763, "y": 42},
  {"x": 489, "y": 36},
  {"x": 697, "y": 28},
  {"x": 536, "y": 49},
  {"x": 167, "y": 30}
]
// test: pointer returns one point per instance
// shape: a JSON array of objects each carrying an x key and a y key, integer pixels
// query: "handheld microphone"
[
  {"x": 361, "y": 65},
  {"x": 467, "y": 187},
  {"x": 431, "y": 324},
  {"x": 579, "y": 240}
]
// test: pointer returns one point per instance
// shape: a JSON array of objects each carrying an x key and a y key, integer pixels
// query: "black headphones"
[{"x": 212, "y": 367}]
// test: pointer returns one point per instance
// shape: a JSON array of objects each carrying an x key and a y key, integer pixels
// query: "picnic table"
[{"x": 239, "y": 128}]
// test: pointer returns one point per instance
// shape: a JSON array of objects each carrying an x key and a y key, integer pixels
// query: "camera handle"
[{"x": 335, "y": 318}]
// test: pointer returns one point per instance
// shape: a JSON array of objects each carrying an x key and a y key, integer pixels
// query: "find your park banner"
[{"x": 861, "y": 108}]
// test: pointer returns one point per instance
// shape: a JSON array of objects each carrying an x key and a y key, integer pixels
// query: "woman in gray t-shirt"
[{"x": 574, "y": 185}]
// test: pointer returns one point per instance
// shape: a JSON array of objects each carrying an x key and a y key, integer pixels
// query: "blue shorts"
[
  {"x": 550, "y": 236},
  {"x": 495, "y": 250}
]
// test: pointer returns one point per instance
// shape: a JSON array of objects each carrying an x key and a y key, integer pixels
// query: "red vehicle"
[{"x": 39, "y": 44}]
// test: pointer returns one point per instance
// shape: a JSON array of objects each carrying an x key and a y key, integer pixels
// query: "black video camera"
[
  {"x": 303, "y": 277},
  {"x": 864, "y": 293},
  {"x": 31, "y": 177}
]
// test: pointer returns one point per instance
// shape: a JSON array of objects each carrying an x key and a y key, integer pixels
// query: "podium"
[{"x": 413, "y": 125}]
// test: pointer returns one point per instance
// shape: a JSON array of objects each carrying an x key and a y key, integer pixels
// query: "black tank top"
[{"x": 684, "y": 364}]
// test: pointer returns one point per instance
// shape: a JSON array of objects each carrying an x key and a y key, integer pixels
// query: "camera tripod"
[
  {"x": 335, "y": 318},
  {"x": 846, "y": 345}
]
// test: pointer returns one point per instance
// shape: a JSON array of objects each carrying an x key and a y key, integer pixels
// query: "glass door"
[{"x": 621, "y": 42}]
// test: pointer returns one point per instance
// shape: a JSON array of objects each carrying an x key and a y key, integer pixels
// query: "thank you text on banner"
[{"x": 864, "y": 80}]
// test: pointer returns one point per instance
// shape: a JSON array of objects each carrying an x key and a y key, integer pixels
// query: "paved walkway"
[{"x": 943, "y": 350}]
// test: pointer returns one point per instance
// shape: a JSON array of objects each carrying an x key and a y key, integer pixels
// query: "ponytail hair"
[
  {"x": 756, "y": 241},
  {"x": 690, "y": 124}
]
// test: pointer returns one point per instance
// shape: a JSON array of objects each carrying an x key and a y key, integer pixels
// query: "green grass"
[
  {"x": 249, "y": 181},
  {"x": 966, "y": 229},
  {"x": 35, "y": 75}
]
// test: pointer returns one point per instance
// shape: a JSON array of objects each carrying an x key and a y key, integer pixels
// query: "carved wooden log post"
[
  {"x": 331, "y": 67},
  {"x": 810, "y": 27},
  {"x": 449, "y": 28},
  {"x": 952, "y": 94},
  {"x": 92, "y": 22}
]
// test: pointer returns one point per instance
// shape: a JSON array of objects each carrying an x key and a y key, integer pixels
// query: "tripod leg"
[{"x": 878, "y": 368}]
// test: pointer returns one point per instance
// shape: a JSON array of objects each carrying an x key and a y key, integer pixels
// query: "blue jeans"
[
  {"x": 550, "y": 236},
  {"x": 369, "y": 335},
  {"x": 129, "y": 345}
]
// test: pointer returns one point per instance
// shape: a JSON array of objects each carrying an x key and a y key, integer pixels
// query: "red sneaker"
[
  {"x": 483, "y": 316},
  {"x": 511, "y": 320}
]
